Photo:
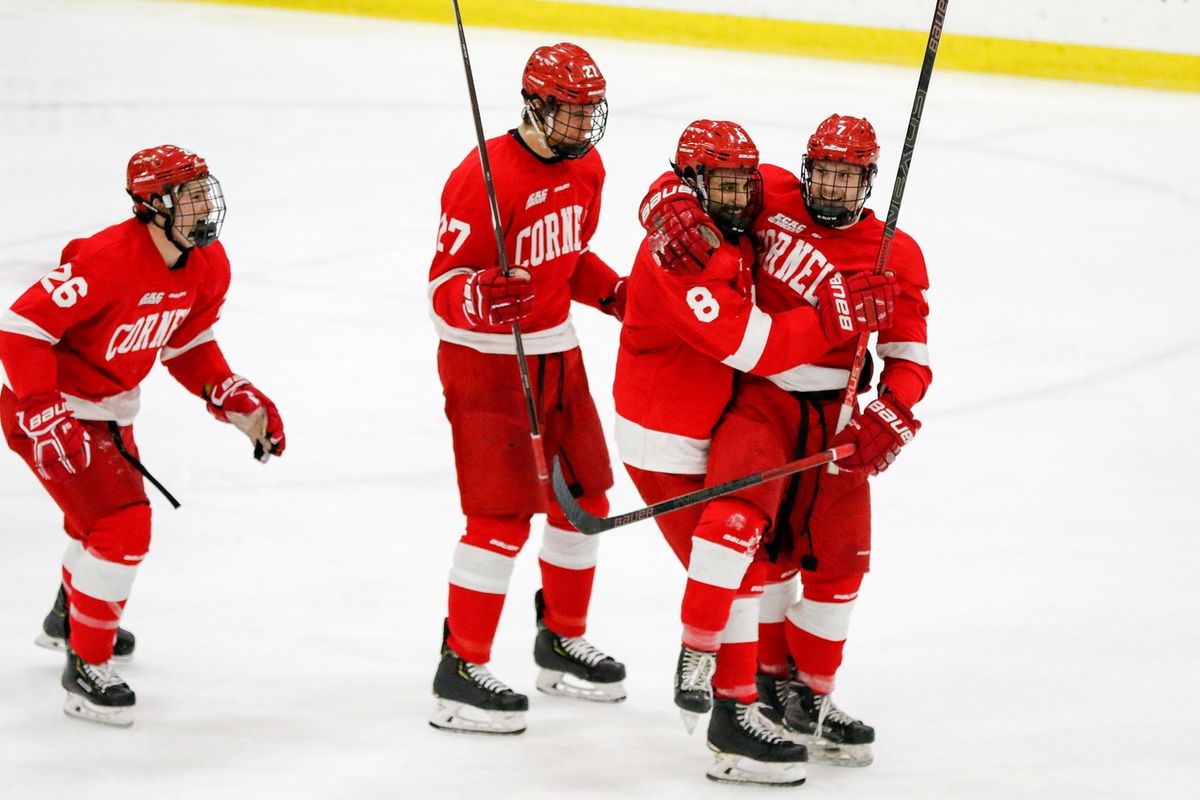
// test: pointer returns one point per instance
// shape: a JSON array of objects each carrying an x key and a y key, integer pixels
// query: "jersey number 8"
[{"x": 703, "y": 304}]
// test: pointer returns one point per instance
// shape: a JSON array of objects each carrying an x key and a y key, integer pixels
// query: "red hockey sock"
[
  {"x": 817, "y": 627},
  {"x": 736, "y": 661},
  {"x": 479, "y": 575},
  {"x": 778, "y": 595},
  {"x": 723, "y": 546},
  {"x": 473, "y": 619},
  {"x": 568, "y": 565}
]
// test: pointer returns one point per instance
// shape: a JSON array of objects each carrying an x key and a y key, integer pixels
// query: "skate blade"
[
  {"x": 82, "y": 708},
  {"x": 462, "y": 718},
  {"x": 729, "y": 768},
  {"x": 839, "y": 755},
  {"x": 689, "y": 720},
  {"x": 60, "y": 645},
  {"x": 562, "y": 684}
]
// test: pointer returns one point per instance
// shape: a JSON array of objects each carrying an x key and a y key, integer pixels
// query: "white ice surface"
[{"x": 1030, "y": 626}]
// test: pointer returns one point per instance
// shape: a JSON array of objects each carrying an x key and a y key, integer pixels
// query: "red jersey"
[
  {"x": 796, "y": 255},
  {"x": 682, "y": 340},
  {"x": 548, "y": 212},
  {"x": 106, "y": 313}
]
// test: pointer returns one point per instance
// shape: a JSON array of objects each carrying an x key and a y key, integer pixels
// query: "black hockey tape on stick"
[{"x": 591, "y": 525}]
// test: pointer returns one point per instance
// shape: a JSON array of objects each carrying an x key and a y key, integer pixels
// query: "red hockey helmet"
[
  {"x": 158, "y": 172},
  {"x": 719, "y": 160},
  {"x": 841, "y": 191},
  {"x": 715, "y": 144},
  {"x": 849, "y": 139},
  {"x": 564, "y": 98},
  {"x": 565, "y": 73}
]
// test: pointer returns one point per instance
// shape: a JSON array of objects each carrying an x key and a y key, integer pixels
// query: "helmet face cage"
[
  {"x": 197, "y": 211},
  {"x": 732, "y": 197},
  {"x": 719, "y": 160},
  {"x": 841, "y": 161},
  {"x": 570, "y": 130},
  {"x": 842, "y": 192}
]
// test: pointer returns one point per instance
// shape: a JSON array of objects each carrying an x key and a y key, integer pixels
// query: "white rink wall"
[{"x": 1170, "y": 26}]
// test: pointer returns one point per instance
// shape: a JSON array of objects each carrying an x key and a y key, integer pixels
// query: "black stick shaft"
[
  {"x": 589, "y": 524},
  {"x": 893, "y": 216},
  {"x": 535, "y": 433}
]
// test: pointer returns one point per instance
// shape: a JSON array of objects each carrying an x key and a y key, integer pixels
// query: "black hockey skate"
[
  {"x": 774, "y": 694},
  {"x": 594, "y": 676},
  {"x": 469, "y": 699},
  {"x": 56, "y": 632},
  {"x": 832, "y": 735},
  {"x": 749, "y": 750},
  {"x": 96, "y": 693},
  {"x": 693, "y": 684}
]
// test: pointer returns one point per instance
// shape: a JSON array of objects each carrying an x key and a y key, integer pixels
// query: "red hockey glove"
[
  {"x": 614, "y": 304},
  {"x": 877, "y": 433},
  {"x": 682, "y": 238},
  {"x": 856, "y": 303},
  {"x": 491, "y": 298},
  {"x": 236, "y": 401},
  {"x": 61, "y": 447}
]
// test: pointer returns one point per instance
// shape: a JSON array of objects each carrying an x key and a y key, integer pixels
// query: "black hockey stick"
[
  {"x": 849, "y": 403},
  {"x": 586, "y": 523},
  {"x": 535, "y": 433}
]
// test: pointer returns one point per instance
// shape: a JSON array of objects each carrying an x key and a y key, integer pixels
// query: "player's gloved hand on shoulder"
[
  {"x": 877, "y": 433},
  {"x": 614, "y": 304},
  {"x": 492, "y": 298},
  {"x": 856, "y": 303},
  {"x": 61, "y": 446},
  {"x": 682, "y": 238},
  {"x": 236, "y": 401}
]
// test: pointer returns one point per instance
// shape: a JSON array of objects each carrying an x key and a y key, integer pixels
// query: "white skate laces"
[
  {"x": 484, "y": 677},
  {"x": 582, "y": 650},
  {"x": 696, "y": 670},
  {"x": 750, "y": 719},
  {"x": 826, "y": 710},
  {"x": 101, "y": 675}
]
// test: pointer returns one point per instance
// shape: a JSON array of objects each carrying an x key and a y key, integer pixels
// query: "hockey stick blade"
[{"x": 591, "y": 525}]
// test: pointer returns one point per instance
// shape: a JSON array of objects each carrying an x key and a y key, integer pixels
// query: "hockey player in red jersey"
[
  {"x": 810, "y": 231},
  {"x": 685, "y": 335},
  {"x": 548, "y": 181},
  {"x": 74, "y": 349}
]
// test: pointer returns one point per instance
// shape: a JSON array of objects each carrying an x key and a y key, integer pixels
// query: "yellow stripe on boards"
[{"x": 842, "y": 42}]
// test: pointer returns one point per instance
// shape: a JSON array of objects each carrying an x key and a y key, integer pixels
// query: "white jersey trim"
[
  {"x": 829, "y": 621},
  {"x": 810, "y": 378},
  {"x": 120, "y": 408},
  {"x": 754, "y": 341},
  {"x": 658, "y": 451},
  {"x": 167, "y": 353},
  {"x": 558, "y": 339},
  {"x": 916, "y": 352},
  {"x": 12, "y": 322}
]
